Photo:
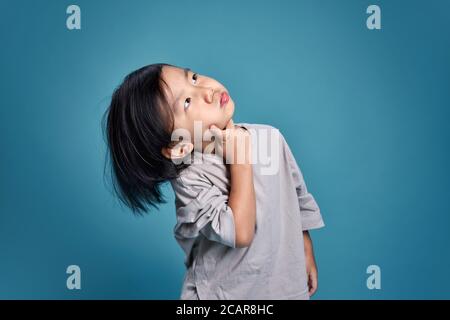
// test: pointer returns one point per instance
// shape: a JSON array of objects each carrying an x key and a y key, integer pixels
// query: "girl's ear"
[{"x": 179, "y": 151}]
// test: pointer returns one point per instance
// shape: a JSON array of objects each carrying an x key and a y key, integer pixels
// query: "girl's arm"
[
  {"x": 242, "y": 203},
  {"x": 242, "y": 193},
  {"x": 311, "y": 267}
]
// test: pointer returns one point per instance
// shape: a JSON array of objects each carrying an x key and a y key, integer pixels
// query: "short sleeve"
[
  {"x": 203, "y": 209},
  {"x": 310, "y": 212}
]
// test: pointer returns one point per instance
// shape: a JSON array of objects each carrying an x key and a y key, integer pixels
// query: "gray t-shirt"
[{"x": 273, "y": 266}]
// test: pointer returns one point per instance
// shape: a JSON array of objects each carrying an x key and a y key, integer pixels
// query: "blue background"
[{"x": 365, "y": 113}]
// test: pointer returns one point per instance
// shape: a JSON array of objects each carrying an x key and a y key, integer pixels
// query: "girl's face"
[{"x": 195, "y": 97}]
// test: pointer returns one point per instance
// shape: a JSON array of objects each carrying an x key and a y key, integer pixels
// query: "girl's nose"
[{"x": 208, "y": 95}]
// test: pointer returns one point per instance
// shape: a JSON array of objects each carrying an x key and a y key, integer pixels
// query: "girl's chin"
[{"x": 226, "y": 123}]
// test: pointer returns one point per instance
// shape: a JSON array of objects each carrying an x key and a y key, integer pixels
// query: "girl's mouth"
[{"x": 224, "y": 98}]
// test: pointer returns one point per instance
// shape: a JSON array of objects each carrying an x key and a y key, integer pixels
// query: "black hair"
[{"x": 139, "y": 123}]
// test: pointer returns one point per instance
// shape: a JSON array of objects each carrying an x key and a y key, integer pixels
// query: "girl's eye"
[
  {"x": 194, "y": 76},
  {"x": 187, "y": 102}
]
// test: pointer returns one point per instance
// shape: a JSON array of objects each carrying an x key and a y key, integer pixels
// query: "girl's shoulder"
[
  {"x": 264, "y": 134},
  {"x": 201, "y": 171}
]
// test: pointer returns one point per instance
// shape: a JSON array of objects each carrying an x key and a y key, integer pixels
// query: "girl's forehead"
[
  {"x": 174, "y": 73},
  {"x": 175, "y": 78}
]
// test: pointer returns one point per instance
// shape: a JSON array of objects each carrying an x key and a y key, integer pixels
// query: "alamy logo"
[
  {"x": 374, "y": 280},
  {"x": 73, "y": 21},
  {"x": 374, "y": 20},
  {"x": 74, "y": 280},
  {"x": 265, "y": 148}
]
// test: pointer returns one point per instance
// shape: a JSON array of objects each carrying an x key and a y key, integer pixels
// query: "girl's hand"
[
  {"x": 233, "y": 143},
  {"x": 311, "y": 268}
]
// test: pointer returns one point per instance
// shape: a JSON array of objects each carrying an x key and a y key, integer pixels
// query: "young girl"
[{"x": 243, "y": 209}]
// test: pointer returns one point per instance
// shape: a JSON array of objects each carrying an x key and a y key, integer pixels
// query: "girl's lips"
[{"x": 224, "y": 98}]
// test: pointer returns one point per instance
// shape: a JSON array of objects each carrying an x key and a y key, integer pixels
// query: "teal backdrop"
[{"x": 365, "y": 112}]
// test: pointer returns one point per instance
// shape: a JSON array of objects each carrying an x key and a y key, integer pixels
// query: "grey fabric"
[{"x": 273, "y": 266}]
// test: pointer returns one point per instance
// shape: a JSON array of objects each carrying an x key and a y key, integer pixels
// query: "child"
[{"x": 243, "y": 210}]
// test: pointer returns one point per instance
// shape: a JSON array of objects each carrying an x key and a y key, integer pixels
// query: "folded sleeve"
[
  {"x": 202, "y": 209},
  {"x": 310, "y": 212}
]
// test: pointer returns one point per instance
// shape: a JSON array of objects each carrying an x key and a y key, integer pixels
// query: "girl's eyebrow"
[
  {"x": 186, "y": 75},
  {"x": 186, "y": 72}
]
